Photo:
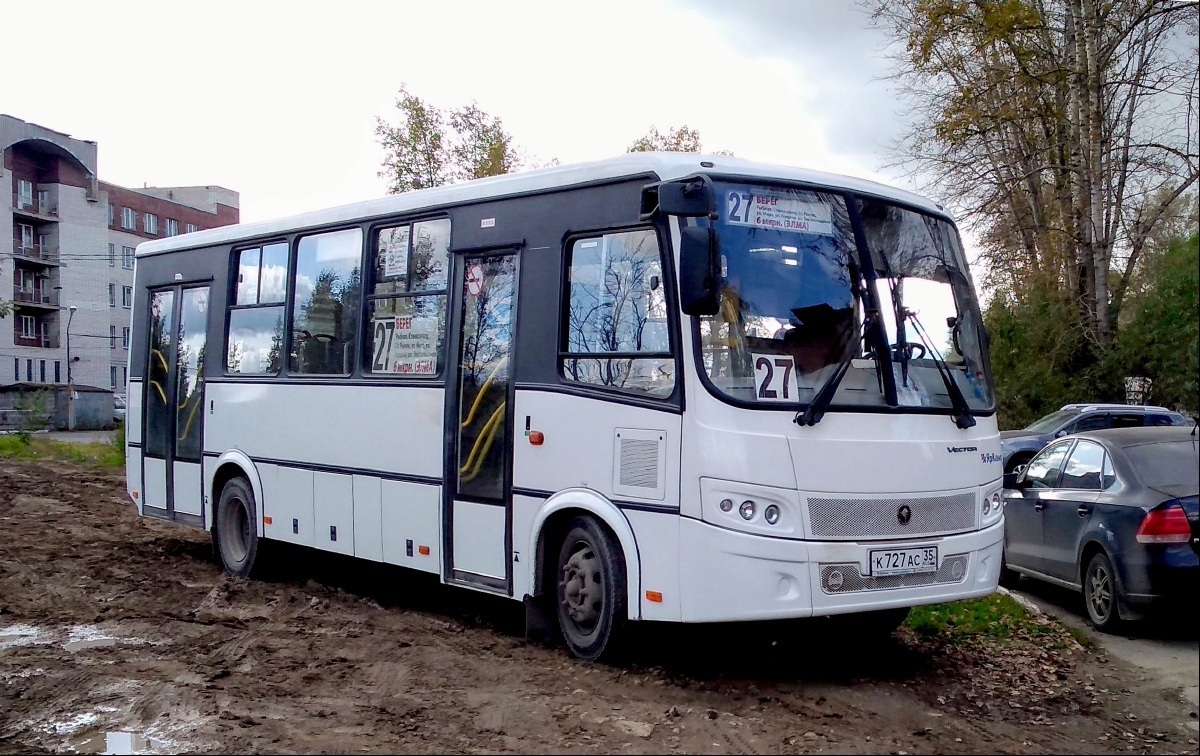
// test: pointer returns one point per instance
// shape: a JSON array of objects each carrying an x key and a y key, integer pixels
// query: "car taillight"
[{"x": 1166, "y": 525}]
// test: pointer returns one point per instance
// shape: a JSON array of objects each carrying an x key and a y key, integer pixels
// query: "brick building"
[{"x": 73, "y": 242}]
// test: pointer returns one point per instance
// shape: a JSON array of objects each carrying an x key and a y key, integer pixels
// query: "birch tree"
[{"x": 1064, "y": 130}]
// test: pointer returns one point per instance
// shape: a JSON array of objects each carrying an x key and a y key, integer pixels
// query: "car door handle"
[
  {"x": 1084, "y": 510},
  {"x": 1038, "y": 507}
]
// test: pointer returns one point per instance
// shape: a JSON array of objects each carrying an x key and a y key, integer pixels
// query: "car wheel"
[
  {"x": 1017, "y": 464},
  {"x": 236, "y": 533},
  {"x": 591, "y": 590},
  {"x": 1100, "y": 592}
]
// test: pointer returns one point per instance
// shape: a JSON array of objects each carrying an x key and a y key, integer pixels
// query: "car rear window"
[{"x": 1166, "y": 463}]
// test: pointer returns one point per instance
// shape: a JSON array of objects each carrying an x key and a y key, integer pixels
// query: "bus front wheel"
[
  {"x": 591, "y": 590},
  {"x": 236, "y": 531}
]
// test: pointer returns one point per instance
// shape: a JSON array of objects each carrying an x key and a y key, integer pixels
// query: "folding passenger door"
[
  {"x": 173, "y": 400},
  {"x": 477, "y": 504}
]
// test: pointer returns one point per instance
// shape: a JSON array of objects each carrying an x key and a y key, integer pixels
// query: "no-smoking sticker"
[{"x": 475, "y": 280}]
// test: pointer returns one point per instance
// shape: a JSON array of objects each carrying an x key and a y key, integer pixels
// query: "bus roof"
[{"x": 666, "y": 165}]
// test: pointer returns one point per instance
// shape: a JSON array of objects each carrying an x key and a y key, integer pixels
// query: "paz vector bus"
[{"x": 665, "y": 387}]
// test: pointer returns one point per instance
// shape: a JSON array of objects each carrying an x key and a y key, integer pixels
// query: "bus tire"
[
  {"x": 236, "y": 533},
  {"x": 590, "y": 584}
]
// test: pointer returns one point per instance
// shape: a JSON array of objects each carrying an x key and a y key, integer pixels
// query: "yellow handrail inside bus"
[
  {"x": 486, "y": 436},
  {"x": 161, "y": 393},
  {"x": 482, "y": 391},
  {"x": 161, "y": 358}
]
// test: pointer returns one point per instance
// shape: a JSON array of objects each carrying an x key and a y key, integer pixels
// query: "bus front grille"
[
  {"x": 847, "y": 578},
  {"x": 893, "y": 517}
]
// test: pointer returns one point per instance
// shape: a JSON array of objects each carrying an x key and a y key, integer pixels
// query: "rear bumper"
[{"x": 727, "y": 575}]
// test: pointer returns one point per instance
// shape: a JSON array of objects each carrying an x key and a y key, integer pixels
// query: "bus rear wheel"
[
  {"x": 236, "y": 533},
  {"x": 591, "y": 590}
]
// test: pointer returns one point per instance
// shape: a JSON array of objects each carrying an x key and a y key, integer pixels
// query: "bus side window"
[
  {"x": 410, "y": 267},
  {"x": 254, "y": 343},
  {"x": 325, "y": 304},
  {"x": 616, "y": 319}
]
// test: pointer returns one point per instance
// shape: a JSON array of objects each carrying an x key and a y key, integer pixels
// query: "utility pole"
[{"x": 70, "y": 374}]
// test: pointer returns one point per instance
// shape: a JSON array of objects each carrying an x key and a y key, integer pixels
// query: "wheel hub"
[
  {"x": 583, "y": 587},
  {"x": 1101, "y": 592}
]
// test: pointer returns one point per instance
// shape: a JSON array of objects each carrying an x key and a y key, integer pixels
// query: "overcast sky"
[{"x": 278, "y": 100}]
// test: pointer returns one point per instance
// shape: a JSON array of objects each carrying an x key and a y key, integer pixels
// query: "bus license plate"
[{"x": 903, "y": 561}]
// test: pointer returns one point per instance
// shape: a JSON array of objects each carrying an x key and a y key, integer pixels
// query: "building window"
[
  {"x": 172, "y": 227},
  {"x": 112, "y": 254},
  {"x": 127, "y": 296},
  {"x": 112, "y": 295},
  {"x": 616, "y": 315},
  {"x": 127, "y": 258},
  {"x": 125, "y": 337},
  {"x": 190, "y": 228},
  {"x": 24, "y": 236},
  {"x": 24, "y": 194},
  {"x": 128, "y": 219},
  {"x": 16, "y": 368},
  {"x": 112, "y": 337},
  {"x": 28, "y": 327},
  {"x": 112, "y": 376},
  {"x": 29, "y": 371},
  {"x": 57, "y": 371},
  {"x": 124, "y": 376},
  {"x": 111, "y": 215},
  {"x": 42, "y": 371},
  {"x": 150, "y": 223}
]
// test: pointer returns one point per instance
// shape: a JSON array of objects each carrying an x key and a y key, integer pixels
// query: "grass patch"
[
  {"x": 994, "y": 616},
  {"x": 94, "y": 455}
]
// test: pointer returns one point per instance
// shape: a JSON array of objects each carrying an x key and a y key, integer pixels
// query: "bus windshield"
[{"x": 795, "y": 297}]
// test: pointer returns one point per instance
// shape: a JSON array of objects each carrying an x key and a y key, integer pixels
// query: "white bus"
[{"x": 662, "y": 387}]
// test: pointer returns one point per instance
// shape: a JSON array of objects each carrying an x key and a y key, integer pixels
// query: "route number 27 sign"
[{"x": 774, "y": 378}]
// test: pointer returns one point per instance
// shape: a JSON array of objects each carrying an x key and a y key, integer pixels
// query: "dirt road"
[{"x": 112, "y": 623}]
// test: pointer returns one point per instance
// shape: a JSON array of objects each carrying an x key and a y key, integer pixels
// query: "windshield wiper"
[
  {"x": 962, "y": 411},
  {"x": 820, "y": 403}
]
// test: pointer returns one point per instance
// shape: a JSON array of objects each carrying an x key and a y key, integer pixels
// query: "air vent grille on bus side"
[{"x": 638, "y": 464}]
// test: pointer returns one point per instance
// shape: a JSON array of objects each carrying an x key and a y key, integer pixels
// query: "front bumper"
[{"x": 727, "y": 575}]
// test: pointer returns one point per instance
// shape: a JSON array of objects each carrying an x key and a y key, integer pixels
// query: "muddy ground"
[{"x": 112, "y": 623}]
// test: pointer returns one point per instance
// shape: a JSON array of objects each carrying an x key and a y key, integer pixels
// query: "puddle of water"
[
  {"x": 122, "y": 743},
  {"x": 87, "y": 636},
  {"x": 18, "y": 635}
]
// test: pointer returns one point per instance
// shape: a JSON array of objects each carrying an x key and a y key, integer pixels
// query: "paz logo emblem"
[{"x": 904, "y": 514}]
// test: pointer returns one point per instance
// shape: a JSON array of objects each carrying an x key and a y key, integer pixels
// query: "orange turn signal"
[
  {"x": 654, "y": 596},
  {"x": 537, "y": 438},
  {"x": 266, "y": 520},
  {"x": 423, "y": 550}
]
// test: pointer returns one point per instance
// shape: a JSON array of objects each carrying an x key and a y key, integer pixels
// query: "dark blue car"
[
  {"x": 1017, "y": 447},
  {"x": 1113, "y": 514}
]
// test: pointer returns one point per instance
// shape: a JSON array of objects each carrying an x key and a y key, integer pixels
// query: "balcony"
[
  {"x": 38, "y": 298},
  {"x": 44, "y": 254},
  {"x": 33, "y": 340},
  {"x": 35, "y": 208}
]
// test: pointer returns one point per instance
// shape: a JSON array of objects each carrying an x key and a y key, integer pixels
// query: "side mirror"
[
  {"x": 1010, "y": 481},
  {"x": 1061, "y": 433},
  {"x": 692, "y": 197},
  {"x": 699, "y": 274}
]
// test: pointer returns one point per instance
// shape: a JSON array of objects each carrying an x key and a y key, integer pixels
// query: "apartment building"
[{"x": 71, "y": 260}]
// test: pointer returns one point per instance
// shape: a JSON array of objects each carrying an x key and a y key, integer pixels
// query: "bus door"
[
  {"x": 477, "y": 509},
  {"x": 173, "y": 403}
]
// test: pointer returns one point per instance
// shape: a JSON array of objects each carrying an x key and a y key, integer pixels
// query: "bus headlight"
[
  {"x": 726, "y": 505},
  {"x": 991, "y": 507},
  {"x": 771, "y": 514},
  {"x": 747, "y": 510}
]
